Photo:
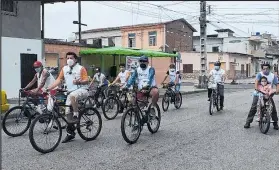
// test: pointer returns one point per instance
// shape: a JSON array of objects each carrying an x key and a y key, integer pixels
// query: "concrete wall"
[
  {"x": 211, "y": 42},
  {"x": 11, "y": 50},
  {"x": 26, "y": 23},
  {"x": 142, "y": 37}
]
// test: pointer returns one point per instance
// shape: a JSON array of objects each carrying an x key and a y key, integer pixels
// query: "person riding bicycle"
[
  {"x": 218, "y": 76},
  {"x": 101, "y": 81},
  {"x": 271, "y": 79},
  {"x": 145, "y": 75},
  {"x": 174, "y": 77},
  {"x": 43, "y": 78},
  {"x": 76, "y": 79},
  {"x": 123, "y": 76}
]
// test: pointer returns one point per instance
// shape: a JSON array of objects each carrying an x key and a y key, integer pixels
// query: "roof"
[
  {"x": 209, "y": 36},
  {"x": 59, "y": 42},
  {"x": 224, "y": 30},
  {"x": 272, "y": 50},
  {"x": 139, "y": 25},
  {"x": 52, "y": 1}
]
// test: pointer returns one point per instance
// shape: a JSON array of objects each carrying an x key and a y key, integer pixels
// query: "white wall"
[
  {"x": 10, "y": 65},
  {"x": 236, "y": 47},
  {"x": 211, "y": 42}
]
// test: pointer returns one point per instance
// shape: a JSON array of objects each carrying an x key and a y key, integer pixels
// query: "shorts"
[
  {"x": 79, "y": 94},
  {"x": 177, "y": 87}
]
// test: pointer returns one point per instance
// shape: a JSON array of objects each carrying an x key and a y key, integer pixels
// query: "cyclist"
[
  {"x": 174, "y": 77},
  {"x": 218, "y": 75},
  {"x": 43, "y": 78},
  {"x": 76, "y": 79},
  {"x": 123, "y": 76},
  {"x": 145, "y": 75},
  {"x": 101, "y": 80},
  {"x": 271, "y": 79}
]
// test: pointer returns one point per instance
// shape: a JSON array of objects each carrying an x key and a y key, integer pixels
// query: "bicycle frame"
[{"x": 136, "y": 102}]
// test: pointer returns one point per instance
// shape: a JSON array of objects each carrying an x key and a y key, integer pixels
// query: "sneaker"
[
  {"x": 247, "y": 125},
  {"x": 221, "y": 107},
  {"x": 72, "y": 119},
  {"x": 208, "y": 99},
  {"x": 68, "y": 138}
]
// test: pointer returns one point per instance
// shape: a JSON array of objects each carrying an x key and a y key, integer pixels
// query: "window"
[
  {"x": 111, "y": 42},
  {"x": 187, "y": 68},
  {"x": 215, "y": 49},
  {"x": 242, "y": 68},
  {"x": 97, "y": 42},
  {"x": 132, "y": 40},
  {"x": 152, "y": 38},
  {"x": 9, "y": 7}
]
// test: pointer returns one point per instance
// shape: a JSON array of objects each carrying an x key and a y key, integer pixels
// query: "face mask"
[
  {"x": 216, "y": 67},
  {"x": 143, "y": 66},
  {"x": 122, "y": 69},
  {"x": 70, "y": 62},
  {"x": 172, "y": 69},
  {"x": 266, "y": 72},
  {"x": 38, "y": 70}
]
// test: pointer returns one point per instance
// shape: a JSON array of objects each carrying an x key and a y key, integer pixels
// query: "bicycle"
[
  {"x": 140, "y": 110},
  {"x": 32, "y": 106},
  {"x": 51, "y": 116},
  {"x": 171, "y": 96},
  {"x": 96, "y": 97},
  {"x": 264, "y": 109},
  {"x": 113, "y": 93},
  {"x": 215, "y": 97}
]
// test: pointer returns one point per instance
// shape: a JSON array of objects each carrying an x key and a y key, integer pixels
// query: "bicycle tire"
[
  {"x": 84, "y": 111},
  {"x": 180, "y": 96},
  {"x": 31, "y": 133},
  {"x": 159, "y": 120},
  {"x": 105, "y": 111},
  {"x": 27, "y": 114},
  {"x": 90, "y": 100},
  {"x": 167, "y": 101},
  {"x": 130, "y": 110},
  {"x": 211, "y": 104},
  {"x": 267, "y": 118}
]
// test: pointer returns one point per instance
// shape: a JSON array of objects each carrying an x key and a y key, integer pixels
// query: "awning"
[{"x": 125, "y": 52}]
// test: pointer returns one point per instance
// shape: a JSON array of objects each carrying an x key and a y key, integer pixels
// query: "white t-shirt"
[
  {"x": 122, "y": 76},
  {"x": 217, "y": 75},
  {"x": 100, "y": 78}
]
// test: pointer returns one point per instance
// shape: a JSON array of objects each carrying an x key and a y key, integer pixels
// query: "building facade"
[{"x": 21, "y": 43}]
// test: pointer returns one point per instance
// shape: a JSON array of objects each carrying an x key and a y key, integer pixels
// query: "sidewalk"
[
  {"x": 184, "y": 90},
  {"x": 228, "y": 81}
]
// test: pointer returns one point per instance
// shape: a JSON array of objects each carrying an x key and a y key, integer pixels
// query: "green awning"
[{"x": 125, "y": 52}]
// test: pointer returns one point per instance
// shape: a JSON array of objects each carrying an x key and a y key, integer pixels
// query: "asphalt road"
[{"x": 189, "y": 138}]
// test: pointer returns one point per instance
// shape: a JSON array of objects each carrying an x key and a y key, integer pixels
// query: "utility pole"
[
  {"x": 79, "y": 22},
  {"x": 203, "y": 52}
]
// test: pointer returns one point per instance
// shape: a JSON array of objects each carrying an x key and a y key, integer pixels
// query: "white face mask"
[
  {"x": 172, "y": 69},
  {"x": 37, "y": 70},
  {"x": 70, "y": 62}
]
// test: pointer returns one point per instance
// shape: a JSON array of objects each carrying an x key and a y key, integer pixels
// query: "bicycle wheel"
[
  {"x": 50, "y": 125},
  {"x": 21, "y": 121},
  {"x": 155, "y": 118},
  {"x": 178, "y": 100},
  {"x": 110, "y": 111},
  {"x": 89, "y": 102},
  {"x": 211, "y": 104},
  {"x": 133, "y": 119},
  {"x": 264, "y": 122},
  {"x": 166, "y": 102},
  {"x": 85, "y": 121}
]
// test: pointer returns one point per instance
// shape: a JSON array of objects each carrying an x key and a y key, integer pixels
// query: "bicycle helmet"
[
  {"x": 217, "y": 63},
  {"x": 143, "y": 59},
  {"x": 37, "y": 64}
]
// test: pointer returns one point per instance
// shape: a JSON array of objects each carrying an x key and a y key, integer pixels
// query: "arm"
[
  {"x": 33, "y": 81},
  {"x": 45, "y": 75},
  {"x": 224, "y": 76},
  {"x": 177, "y": 77},
  {"x": 275, "y": 82},
  {"x": 151, "y": 75},
  {"x": 167, "y": 74},
  {"x": 117, "y": 79},
  {"x": 83, "y": 77},
  {"x": 258, "y": 77},
  {"x": 57, "y": 81},
  {"x": 127, "y": 76},
  {"x": 92, "y": 81},
  {"x": 132, "y": 79}
]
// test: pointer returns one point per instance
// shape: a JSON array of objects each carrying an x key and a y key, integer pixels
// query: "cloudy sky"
[{"x": 241, "y": 17}]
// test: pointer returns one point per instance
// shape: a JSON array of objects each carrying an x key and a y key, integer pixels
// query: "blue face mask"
[
  {"x": 266, "y": 72},
  {"x": 216, "y": 67}
]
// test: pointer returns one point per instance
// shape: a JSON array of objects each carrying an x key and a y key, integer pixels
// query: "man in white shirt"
[
  {"x": 218, "y": 75},
  {"x": 123, "y": 76},
  {"x": 174, "y": 77}
]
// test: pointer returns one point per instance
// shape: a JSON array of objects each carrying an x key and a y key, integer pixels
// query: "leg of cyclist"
[
  {"x": 209, "y": 92},
  {"x": 221, "y": 92},
  {"x": 154, "y": 92},
  {"x": 252, "y": 112},
  {"x": 72, "y": 118},
  {"x": 274, "y": 116}
]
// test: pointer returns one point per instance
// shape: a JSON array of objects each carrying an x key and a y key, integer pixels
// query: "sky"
[{"x": 243, "y": 17}]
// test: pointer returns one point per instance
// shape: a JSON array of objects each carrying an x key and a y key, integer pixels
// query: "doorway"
[{"x": 26, "y": 69}]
